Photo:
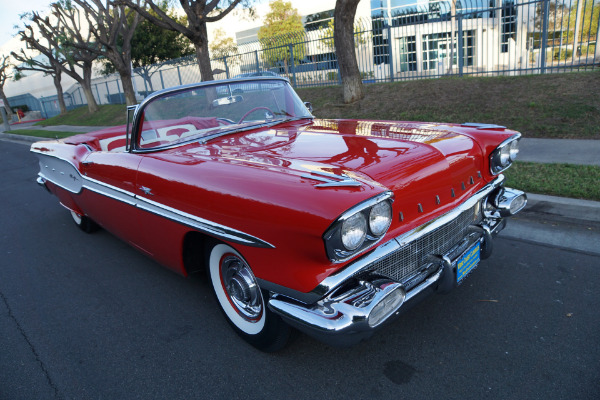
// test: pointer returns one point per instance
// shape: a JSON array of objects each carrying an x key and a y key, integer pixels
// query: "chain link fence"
[{"x": 430, "y": 40}]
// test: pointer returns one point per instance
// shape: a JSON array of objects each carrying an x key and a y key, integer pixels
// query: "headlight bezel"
[
  {"x": 504, "y": 155},
  {"x": 336, "y": 250}
]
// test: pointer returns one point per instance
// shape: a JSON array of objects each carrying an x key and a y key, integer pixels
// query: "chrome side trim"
[
  {"x": 109, "y": 191},
  {"x": 130, "y": 198},
  {"x": 201, "y": 224},
  {"x": 394, "y": 244}
]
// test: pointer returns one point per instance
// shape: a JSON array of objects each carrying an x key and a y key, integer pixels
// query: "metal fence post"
[
  {"x": 98, "y": 94},
  {"x": 107, "y": 93},
  {"x": 544, "y": 44},
  {"x": 121, "y": 94},
  {"x": 460, "y": 45},
  {"x": 162, "y": 81},
  {"x": 292, "y": 66},
  {"x": 179, "y": 75},
  {"x": 257, "y": 65},
  {"x": 390, "y": 54},
  {"x": 226, "y": 67}
]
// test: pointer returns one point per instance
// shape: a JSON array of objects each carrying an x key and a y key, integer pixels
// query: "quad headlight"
[
  {"x": 504, "y": 155},
  {"x": 380, "y": 218},
  {"x": 358, "y": 228},
  {"x": 354, "y": 231}
]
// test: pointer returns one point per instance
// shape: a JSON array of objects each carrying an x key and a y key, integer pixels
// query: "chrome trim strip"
[
  {"x": 201, "y": 224},
  {"x": 130, "y": 198},
  {"x": 109, "y": 191},
  {"x": 331, "y": 180},
  {"x": 394, "y": 244},
  {"x": 424, "y": 285}
]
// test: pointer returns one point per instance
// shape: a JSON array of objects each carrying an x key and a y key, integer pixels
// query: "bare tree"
[
  {"x": 78, "y": 62},
  {"x": 49, "y": 66},
  {"x": 343, "y": 34},
  {"x": 4, "y": 76},
  {"x": 199, "y": 13},
  {"x": 111, "y": 27}
]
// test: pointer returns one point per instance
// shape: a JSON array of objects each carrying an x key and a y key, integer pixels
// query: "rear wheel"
[
  {"x": 84, "y": 223},
  {"x": 243, "y": 302}
]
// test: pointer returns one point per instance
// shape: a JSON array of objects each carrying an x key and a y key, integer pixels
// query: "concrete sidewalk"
[{"x": 559, "y": 151}]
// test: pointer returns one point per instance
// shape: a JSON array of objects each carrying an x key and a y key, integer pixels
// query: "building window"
[
  {"x": 316, "y": 21},
  {"x": 437, "y": 48},
  {"x": 509, "y": 24},
  {"x": 407, "y": 49}
]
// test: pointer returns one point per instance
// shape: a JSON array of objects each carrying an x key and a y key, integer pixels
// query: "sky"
[{"x": 10, "y": 10}]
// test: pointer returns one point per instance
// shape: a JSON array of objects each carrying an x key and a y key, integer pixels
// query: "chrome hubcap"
[{"x": 241, "y": 288}]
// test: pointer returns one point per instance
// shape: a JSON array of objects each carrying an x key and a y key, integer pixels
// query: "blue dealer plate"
[{"x": 467, "y": 262}]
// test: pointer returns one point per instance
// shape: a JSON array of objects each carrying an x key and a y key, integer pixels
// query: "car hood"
[{"x": 427, "y": 166}]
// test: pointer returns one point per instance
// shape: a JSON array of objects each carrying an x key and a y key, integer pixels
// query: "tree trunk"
[
  {"x": 122, "y": 64},
  {"x": 202, "y": 54},
  {"x": 128, "y": 86},
  {"x": 86, "y": 85},
  {"x": 343, "y": 34},
  {"x": 89, "y": 96},
  {"x": 9, "y": 112},
  {"x": 59, "y": 91}
]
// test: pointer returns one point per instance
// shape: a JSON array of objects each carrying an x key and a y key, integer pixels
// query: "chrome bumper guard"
[
  {"x": 42, "y": 182},
  {"x": 354, "y": 308}
]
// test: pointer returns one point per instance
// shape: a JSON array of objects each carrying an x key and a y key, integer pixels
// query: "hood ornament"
[{"x": 332, "y": 180}]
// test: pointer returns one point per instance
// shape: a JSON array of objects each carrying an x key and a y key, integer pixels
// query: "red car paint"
[{"x": 255, "y": 181}]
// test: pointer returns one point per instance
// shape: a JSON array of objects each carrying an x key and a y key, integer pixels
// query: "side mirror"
[{"x": 309, "y": 106}]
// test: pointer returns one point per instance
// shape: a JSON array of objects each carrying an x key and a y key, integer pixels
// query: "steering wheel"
[
  {"x": 224, "y": 121},
  {"x": 254, "y": 109}
]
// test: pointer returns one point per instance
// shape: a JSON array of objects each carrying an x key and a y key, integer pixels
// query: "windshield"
[{"x": 208, "y": 111}]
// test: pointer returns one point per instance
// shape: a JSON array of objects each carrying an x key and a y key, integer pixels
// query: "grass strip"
[
  {"x": 107, "y": 115},
  {"x": 563, "y": 105},
  {"x": 565, "y": 180}
]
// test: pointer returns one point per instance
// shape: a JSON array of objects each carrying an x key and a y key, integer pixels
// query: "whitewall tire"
[{"x": 242, "y": 301}]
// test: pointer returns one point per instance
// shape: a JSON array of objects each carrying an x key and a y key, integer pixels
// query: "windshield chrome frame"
[{"x": 139, "y": 111}]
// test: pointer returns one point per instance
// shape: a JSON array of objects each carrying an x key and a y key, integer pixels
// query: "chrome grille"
[{"x": 408, "y": 260}]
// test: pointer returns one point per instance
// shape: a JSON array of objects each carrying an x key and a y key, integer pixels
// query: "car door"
[{"x": 110, "y": 195}]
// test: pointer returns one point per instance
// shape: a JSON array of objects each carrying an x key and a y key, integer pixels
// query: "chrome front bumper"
[{"x": 353, "y": 303}]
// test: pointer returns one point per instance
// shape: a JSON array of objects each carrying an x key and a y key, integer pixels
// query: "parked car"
[{"x": 332, "y": 227}]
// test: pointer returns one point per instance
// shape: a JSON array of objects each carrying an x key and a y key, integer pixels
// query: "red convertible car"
[{"x": 332, "y": 227}]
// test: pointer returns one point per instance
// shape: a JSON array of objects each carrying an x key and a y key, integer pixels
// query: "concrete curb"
[
  {"x": 22, "y": 138},
  {"x": 574, "y": 209}
]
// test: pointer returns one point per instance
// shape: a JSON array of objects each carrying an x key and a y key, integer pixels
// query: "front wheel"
[{"x": 242, "y": 300}]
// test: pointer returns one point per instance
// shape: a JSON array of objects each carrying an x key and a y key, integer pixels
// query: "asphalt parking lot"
[{"x": 86, "y": 316}]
